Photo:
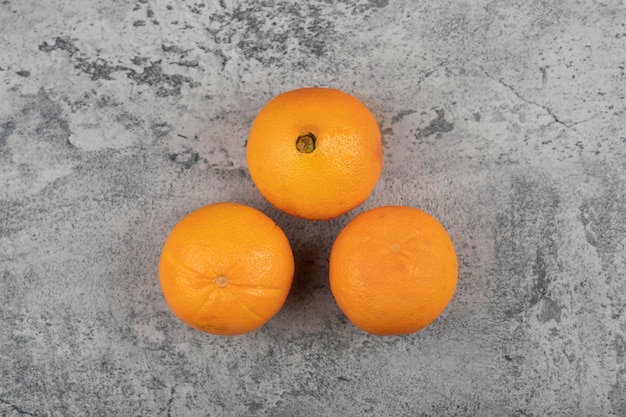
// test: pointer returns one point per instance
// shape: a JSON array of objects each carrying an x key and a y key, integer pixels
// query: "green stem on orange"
[{"x": 306, "y": 142}]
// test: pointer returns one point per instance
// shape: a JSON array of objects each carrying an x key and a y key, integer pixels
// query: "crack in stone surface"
[
  {"x": 170, "y": 401},
  {"x": 17, "y": 408},
  {"x": 555, "y": 118}
]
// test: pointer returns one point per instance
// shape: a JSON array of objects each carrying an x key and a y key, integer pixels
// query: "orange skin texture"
[
  {"x": 226, "y": 269},
  {"x": 393, "y": 270},
  {"x": 338, "y": 175}
]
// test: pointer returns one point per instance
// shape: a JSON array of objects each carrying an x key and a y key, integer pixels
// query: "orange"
[
  {"x": 315, "y": 153},
  {"x": 226, "y": 269},
  {"x": 393, "y": 270}
]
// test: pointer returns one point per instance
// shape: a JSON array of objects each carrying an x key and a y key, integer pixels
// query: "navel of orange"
[
  {"x": 226, "y": 269},
  {"x": 393, "y": 270}
]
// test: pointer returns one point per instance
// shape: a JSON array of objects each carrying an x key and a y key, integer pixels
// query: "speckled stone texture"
[{"x": 504, "y": 119}]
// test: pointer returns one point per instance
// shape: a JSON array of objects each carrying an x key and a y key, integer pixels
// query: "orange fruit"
[
  {"x": 393, "y": 270},
  {"x": 315, "y": 153},
  {"x": 226, "y": 269}
]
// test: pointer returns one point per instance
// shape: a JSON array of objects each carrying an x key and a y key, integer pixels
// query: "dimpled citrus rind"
[
  {"x": 393, "y": 270},
  {"x": 226, "y": 269},
  {"x": 338, "y": 175}
]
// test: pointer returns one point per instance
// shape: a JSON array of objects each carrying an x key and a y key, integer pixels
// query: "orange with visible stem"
[{"x": 315, "y": 153}]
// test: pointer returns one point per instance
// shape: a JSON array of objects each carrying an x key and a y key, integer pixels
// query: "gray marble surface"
[{"x": 504, "y": 119}]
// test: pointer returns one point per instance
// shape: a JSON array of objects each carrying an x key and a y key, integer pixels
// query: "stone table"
[{"x": 504, "y": 119}]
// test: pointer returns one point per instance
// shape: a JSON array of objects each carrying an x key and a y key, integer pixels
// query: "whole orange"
[
  {"x": 393, "y": 270},
  {"x": 226, "y": 269},
  {"x": 315, "y": 153}
]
